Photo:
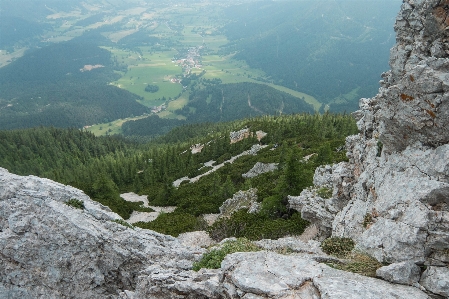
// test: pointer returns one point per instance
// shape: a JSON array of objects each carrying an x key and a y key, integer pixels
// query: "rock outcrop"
[
  {"x": 266, "y": 274},
  {"x": 240, "y": 200},
  {"x": 51, "y": 250},
  {"x": 260, "y": 168},
  {"x": 392, "y": 197}
]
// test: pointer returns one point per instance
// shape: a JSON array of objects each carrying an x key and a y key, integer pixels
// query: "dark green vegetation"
[
  {"x": 226, "y": 102},
  {"x": 52, "y": 87},
  {"x": 222, "y": 102},
  {"x": 213, "y": 258},
  {"x": 152, "y": 88},
  {"x": 105, "y": 166},
  {"x": 332, "y": 50},
  {"x": 175, "y": 223},
  {"x": 17, "y": 30},
  {"x": 76, "y": 203}
]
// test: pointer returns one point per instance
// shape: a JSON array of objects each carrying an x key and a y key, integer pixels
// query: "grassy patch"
[
  {"x": 324, "y": 192},
  {"x": 359, "y": 263},
  {"x": 213, "y": 258},
  {"x": 338, "y": 246}
]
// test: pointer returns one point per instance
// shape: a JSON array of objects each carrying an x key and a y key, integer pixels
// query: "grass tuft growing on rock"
[
  {"x": 337, "y": 246},
  {"x": 76, "y": 203},
  {"x": 357, "y": 262},
  {"x": 324, "y": 192},
  {"x": 213, "y": 258}
]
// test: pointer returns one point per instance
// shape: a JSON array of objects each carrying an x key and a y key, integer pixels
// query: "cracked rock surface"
[
  {"x": 51, "y": 250},
  {"x": 392, "y": 197}
]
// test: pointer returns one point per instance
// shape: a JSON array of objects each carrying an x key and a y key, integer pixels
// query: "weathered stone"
[
  {"x": 392, "y": 198},
  {"x": 52, "y": 250},
  {"x": 290, "y": 244},
  {"x": 336, "y": 284},
  {"x": 260, "y": 168},
  {"x": 407, "y": 273},
  {"x": 436, "y": 280},
  {"x": 240, "y": 200},
  {"x": 196, "y": 239},
  {"x": 313, "y": 203}
]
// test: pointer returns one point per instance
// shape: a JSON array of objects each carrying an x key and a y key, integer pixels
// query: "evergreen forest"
[{"x": 104, "y": 167}]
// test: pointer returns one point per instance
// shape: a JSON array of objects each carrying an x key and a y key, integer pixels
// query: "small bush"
[
  {"x": 123, "y": 222},
  {"x": 324, "y": 192},
  {"x": 76, "y": 203},
  {"x": 338, "y": 246},
  {"x": 213, "y": 258}
]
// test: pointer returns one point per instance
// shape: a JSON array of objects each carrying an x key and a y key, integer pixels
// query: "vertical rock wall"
[{"x": 395, "y": 188}]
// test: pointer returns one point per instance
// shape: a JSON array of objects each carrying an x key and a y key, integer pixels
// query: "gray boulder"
[
  {"x": 260, "y": 168},
  {"x": 52, "y": 250},
  {"x": 407, "y": 273},
  {"x": 240, "y": 200},
  {"x": 436, "y": 280}
]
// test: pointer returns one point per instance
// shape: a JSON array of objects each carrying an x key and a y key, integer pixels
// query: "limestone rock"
[
  {"x": 196, "y": 239},
  {"x": 290, "y": 244},
  {"x": 237, "y": 136},
  {"x": 272, "y": 275},
  {"x": 392, "y": 197},
  {"x": 321, "y": 203},
  {"x": 407, "y": 273},
  {"x": 260, "y": 168},
  {"x": 52, "y": 250},
  {"x": 436, "y": 280},
  {"x": 240, "y": 200}
]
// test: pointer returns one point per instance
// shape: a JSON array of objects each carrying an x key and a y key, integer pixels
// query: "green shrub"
[
  {"x": 76, "y": 203},
  {"x": 123, "y": 222},
  {"x": 256, "y": 226},
  {"x": 213, "y": 258},
  {"x": 338, "y": 246},
  {"x": 324, "y": 192},
  {"x": 174, "y": 223}
]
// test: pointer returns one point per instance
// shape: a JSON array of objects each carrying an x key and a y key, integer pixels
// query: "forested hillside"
[
  {"x": 221, "y": 103},
  {"x": 332, "y": 50},
  {"x": 103, "y": 167},
  {"x": 63, "y": 85}
]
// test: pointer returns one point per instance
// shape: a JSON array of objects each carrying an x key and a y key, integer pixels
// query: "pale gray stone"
[
  {"x": 260, "y": 168},
  {"x": 336, "y": 284},
  {"x": 407, "y": 273},
  {"x": 196, "y": 239},
  {"x": 436, "y": 280},
  {"x": 51, "y": 250},
  {"x": 240, "y": 200}
]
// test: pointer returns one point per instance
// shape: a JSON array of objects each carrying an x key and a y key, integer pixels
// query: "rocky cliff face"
[{"x": 393, "y": 195}]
